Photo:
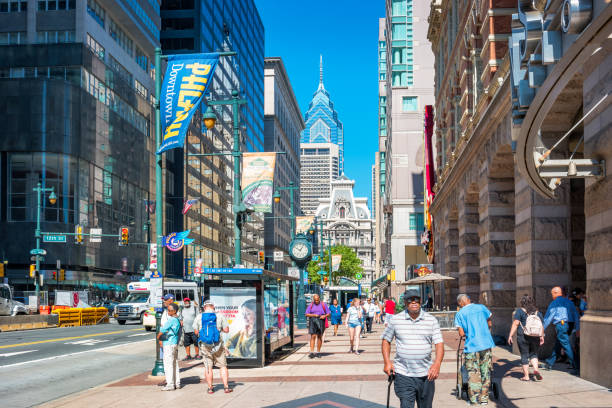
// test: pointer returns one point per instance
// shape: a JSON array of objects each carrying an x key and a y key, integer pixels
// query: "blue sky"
[{"x": 346, "y": 33}]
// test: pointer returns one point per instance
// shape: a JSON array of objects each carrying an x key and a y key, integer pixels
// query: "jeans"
[
  {"x": 369, "y": 323},
  {"x": 414, "y": 389},
  {"x": 171, "y": 367},
  {"x": 563, "y": 332}
]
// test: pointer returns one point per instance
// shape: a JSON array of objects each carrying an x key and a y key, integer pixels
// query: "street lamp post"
[{"x": 52, "y": 199}]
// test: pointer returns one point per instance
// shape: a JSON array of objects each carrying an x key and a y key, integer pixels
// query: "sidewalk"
[{"x": 337, "y": 379}]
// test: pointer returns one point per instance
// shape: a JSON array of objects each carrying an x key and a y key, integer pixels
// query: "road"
[{"x": 37, "y": 366}]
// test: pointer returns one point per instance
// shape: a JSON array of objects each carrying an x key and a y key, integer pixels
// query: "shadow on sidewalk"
[{"x": 327, "y": 399}]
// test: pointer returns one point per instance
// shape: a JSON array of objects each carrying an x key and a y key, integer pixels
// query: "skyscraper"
[
  {"x": 206, "y": 26},
  {"x": 283, "y": 123},
  {"x": 319, "y": 167},
  {"x": 410, "y": 86},
  {"x": 322, "y": 123},
  {"x": 75, "y": 100}
]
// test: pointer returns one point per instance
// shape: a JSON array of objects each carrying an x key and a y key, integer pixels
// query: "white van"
[{"x": 138, "y": 303}]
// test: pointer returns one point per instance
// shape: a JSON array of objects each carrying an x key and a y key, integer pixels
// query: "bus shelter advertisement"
[{"x": 239, "y": 308}]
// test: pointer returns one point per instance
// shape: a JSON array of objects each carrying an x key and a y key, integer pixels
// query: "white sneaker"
[{"x": 168, "y": 388}]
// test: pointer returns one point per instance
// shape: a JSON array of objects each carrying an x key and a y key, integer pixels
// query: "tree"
[{"x": 350, "y": 265}]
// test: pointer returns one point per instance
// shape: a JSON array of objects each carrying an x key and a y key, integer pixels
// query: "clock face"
[{"x": 299, "y": 251}]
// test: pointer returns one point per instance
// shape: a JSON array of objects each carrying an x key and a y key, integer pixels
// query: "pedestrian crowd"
[{"x": 415, "y": 332}]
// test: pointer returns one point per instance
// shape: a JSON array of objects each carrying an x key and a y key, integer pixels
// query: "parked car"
[{"x": 8, "y": 305}]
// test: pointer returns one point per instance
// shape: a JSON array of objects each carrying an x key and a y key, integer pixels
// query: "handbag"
[{"x": 326, "y": 323}]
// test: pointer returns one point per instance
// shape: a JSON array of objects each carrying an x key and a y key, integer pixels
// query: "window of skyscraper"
[
  {"x": 177, "y": 23},
  {"x": 12, "y": 6},
  {"x": 410, "y": 104},
  {"x": 398, "y": 31},
  {"x": 96, "y": 11}
]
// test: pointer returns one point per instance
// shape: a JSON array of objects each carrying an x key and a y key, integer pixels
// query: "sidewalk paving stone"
[{"x": 338, "y": 379}]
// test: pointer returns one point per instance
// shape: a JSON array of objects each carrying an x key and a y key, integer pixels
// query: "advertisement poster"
[
  {"x": 153, "y": 256},
  {"x": 303, "y": 223},
  {"x": 239, "y": 307},
  {"x": 336, "y": 259},
  {"x": 258, "y": 181},
  {"x": 277, "y": 314}
]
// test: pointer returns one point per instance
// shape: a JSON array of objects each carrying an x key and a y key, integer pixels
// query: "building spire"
[{"x": 320, "y": 71}]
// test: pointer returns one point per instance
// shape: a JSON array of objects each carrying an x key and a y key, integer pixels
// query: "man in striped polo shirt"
[{"x": 414, "y": 331}]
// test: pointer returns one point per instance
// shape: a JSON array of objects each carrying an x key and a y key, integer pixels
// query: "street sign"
[
  {"x": 278, "y": 255},
  {"x": 54, "y": 238},
  {"x": 293, "y": 272},
  {"x": 95, "y": 235},
  {"x": 58, "y": 264},
  {"x": 233, "y": 271},
  {"x": 358, "y": 276},
  {"x": 38, "y": 252},
  {"x": 40, "y": 258}
]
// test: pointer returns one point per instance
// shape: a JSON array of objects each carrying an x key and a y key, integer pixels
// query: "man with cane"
[{"x": 414, "y": 331}]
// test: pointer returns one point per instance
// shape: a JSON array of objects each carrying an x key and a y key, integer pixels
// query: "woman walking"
[
  {"x": 336, "y": 315},
  {"x": 529, "y": 331},
  {"x": 353, "y": 323}
]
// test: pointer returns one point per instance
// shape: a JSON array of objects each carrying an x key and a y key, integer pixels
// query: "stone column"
[
  {"x": 596, "y": 324},
  {"x": 469, "y": 246},
  {"x": 497, "y": 252},
  {"x": 451, "y": 259},
  {"x": 542, "y": 235}
]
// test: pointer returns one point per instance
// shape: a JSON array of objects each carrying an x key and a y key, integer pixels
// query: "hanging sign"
[
  {"x": 258, "y": 181},
  {"x": 176, "y": 240},
  {"x": 185, "y": 83}
]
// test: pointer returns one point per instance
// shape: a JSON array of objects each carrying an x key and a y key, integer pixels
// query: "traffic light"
[
  {"x": 2, "y": 270},
  {"x": 54, "y": 275},
  {"x": 32, "y": 270},
  {"x": 392, "y": 275},
  {"x": 262, "y": 257},
  {"x": 62, "y": 274},
  {"x": 78, "y": 237},
  {"x": 124, "y": 233}
]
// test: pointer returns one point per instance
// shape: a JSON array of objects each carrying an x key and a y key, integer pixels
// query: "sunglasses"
[{"x": 414, "y": 299}]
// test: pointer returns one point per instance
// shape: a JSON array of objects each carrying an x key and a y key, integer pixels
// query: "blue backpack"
[{"x": 209, "y": 333}]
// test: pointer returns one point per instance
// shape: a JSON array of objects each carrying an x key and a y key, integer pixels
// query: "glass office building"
[
  {"x": 322, "y": 123},
  {"x": 75, "y": 101},
  {"x": 206, "y": 26}
]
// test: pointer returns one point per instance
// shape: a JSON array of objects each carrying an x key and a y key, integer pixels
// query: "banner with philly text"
[
  {"x": 185, "y": 83},
  {"x": 336, "y": 260},
  {"x": 258, "y": 181}
]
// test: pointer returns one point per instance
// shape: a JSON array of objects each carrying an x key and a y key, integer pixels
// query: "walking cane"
[{"x": 390, "y": 380}]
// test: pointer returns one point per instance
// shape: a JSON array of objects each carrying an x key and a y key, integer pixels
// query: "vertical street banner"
[
  {"x": 303, "y": 223},
  {"x": 430, "y": 180},
  {"x": 336, "y": 259},
  {"x": 197, "y": 270},
  {"x": 153, "y": 256},
  {"x": 258, "y": 181},
  {"x": 185, "y": 83}
]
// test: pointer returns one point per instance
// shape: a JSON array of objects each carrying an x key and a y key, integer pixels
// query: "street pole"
[
  {"x": 37, "y": 235},
  {"x": 158, "y": 368},
  {"x": 237, "y": 192}
]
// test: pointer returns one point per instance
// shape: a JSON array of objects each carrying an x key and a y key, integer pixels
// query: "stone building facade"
[
  {"x": 519, "y": 86},
  {"x": 347, "y": 221}
]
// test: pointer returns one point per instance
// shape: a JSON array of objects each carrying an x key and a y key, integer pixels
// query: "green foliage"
[{"x": 350, "y": 265}]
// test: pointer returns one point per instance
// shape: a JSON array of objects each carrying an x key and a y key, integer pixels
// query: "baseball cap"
[
  {"x": 208, "y": 302},
  {"x": 411, "y": 293},
  {"x": 168, "y": 296}
]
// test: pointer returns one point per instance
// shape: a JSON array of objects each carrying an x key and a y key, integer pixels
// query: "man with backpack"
[
  {"x": 474, "y": 322},
  {"x": 170, "y": 330},
  {"x": 563, "y": 314},
  {"x": 208, "y": 327}
]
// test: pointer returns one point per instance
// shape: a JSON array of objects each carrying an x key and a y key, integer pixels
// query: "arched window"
[{"x": 342, "y": 212}]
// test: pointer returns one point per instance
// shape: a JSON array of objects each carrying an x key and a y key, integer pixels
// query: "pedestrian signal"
[
  {"x": 32, "y": 270},
  {"x": 124, "y": 233},
  {"x": 78, "y": 237}
]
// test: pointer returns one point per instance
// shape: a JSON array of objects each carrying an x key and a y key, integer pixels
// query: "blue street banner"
[{"x": 185, "y": 83}]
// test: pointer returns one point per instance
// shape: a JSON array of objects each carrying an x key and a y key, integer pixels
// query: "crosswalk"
[{"x": 87, "y": 342}]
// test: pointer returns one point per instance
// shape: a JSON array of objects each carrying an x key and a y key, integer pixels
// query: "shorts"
[
  {"x": 316, "y": 326},
  {"x": 528, "y": 347},
  {"x": 213, "y": 355},
  {"x": 189, "y": 339},
  {"x": 354, "y": 325}
]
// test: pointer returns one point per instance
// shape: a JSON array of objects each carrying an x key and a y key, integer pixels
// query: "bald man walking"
[{"x": 563, "y": 314}]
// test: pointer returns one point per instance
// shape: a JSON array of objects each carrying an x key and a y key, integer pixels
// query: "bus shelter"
[{"x": 257, "y": 305}]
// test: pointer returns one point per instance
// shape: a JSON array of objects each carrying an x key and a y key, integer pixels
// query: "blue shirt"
[
  {"x": 473, "y": 320},
  {"x": 561, "y": 309},
  {"x": 171, "y": 330},
  {"x": 336, "y": 311}
]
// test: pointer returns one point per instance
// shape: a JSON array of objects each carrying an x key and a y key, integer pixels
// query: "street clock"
[{"x": 300, "y": 249}]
